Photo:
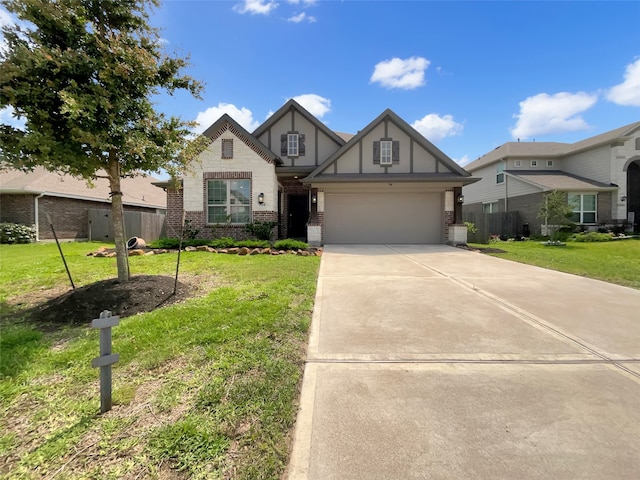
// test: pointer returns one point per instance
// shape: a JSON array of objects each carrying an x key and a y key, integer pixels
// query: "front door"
[{"x": 298, "y": 216}]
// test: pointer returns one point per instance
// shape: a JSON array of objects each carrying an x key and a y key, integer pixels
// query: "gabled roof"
[
  {"x": 440, "y": 156},
  {"x": 225, "y": 122},
  {"x": 138, "y": 191},
  {"x": 552, "y": 149},
  {"x": 558, "y": 180},
  {"x": 293, "y": 105}
]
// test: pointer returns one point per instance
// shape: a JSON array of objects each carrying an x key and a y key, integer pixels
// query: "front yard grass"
[
  {"x": 207, "y": 388},
  {"x": 616, "y": 261}
]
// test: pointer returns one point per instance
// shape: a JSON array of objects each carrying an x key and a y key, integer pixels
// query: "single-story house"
[
  {"x": 27, "y": 197},
  {"x": 386, "y": 184},
  {"x": 601, "y": 176}
]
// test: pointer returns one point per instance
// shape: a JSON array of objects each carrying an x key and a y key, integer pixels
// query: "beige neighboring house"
[
  {"x": 601, "y": 176},
  {"x": 27, "y": 198},
  {"x": 386, "y": 184}
]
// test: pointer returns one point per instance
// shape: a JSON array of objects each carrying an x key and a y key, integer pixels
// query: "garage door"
[{"x": 383, "y": 218}]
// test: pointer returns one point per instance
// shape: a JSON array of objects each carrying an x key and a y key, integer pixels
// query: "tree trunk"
[{"x": 117, "y": 217}]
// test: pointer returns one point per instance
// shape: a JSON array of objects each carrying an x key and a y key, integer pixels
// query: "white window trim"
[
  {"x": 500, "y": 172},
  {"x": 582, "y": 211},
  {"x": 293, "y": 140},
  {"x": 549, "y": 163},
  {"x": 228, "y": 205},
  {"x": 493, "y": 207},
  {"x": 533, "y": 163},
  {"x": 386, "y": 146},
  {"x": 517, "y": 163}
]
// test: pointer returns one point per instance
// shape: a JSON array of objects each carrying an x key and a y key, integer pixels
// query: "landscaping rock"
[
  {"x": 222, "y": 250},
  {"x": 151, "y": 252},
  {"x": 233, "y": 250},
  {"x": 98, "y": 254},
  {"x": 275, "y": 252},
  {"x": 202, "y": 248},
  {"x": 244, "y": 251},
  {"x": 265, "y": 251},
  {"x": 136, "y": 252},
  {"x": 255, "y": 251},
  {"x": 189, "y": 249},
  {"x": 111, "y": 255}
]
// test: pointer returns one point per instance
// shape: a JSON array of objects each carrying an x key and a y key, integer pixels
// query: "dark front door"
[{"x": 298, "y": 216}]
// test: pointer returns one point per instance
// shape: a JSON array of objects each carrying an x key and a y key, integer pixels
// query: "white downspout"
[{"x": 37, "y": 217}]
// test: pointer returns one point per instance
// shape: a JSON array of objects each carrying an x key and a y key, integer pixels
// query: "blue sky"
[{"x": 468, "y": 75}]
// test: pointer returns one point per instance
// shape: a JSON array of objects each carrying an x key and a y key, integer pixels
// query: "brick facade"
[{"x": 70, "y": 216}]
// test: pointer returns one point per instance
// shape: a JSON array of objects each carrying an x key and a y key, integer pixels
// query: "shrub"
[
  {"x": 253, "y": 244},
  {"x": 15, "y": 233},
  {"x": 290, "y": 244},
  {"x": 173, "y": 243},
  {"x": 592, "y": 237},
  {"x": 222, "y": 242},
  {"x": 261, "y": 230}
]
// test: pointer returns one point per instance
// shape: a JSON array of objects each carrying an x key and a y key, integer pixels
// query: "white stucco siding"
[
  {"x": 349, "y": 162},
  {"x": 485, "y": 190},
  {"x": 593, "y": 164},
  {"x": 245, "y": 159},
  {"x": 326, "y": 147},
  {"x": 367, "y": 150}
]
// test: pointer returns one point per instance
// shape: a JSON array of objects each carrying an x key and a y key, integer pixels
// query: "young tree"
[
  {"x": 555, "y": 211},
  {"x": 81, "y": 73}
]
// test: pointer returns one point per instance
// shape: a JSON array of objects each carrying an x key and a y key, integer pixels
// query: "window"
[
  {"x": 490, "y": 207},
  {"x": 637, "y": 143},
  {"x": 385, "y": 152},
  {"x": 229, "y": 200},
  {"x": 533, "y": 163},
  {"x": 583, "y": 206},
  {"x": 500, "y": 172},
  {"x": 292, "y": 145},
  {"x": 227, "y": 148},
  {"x": 517, "y": 163},
  {"x": 549, "y": 163}
]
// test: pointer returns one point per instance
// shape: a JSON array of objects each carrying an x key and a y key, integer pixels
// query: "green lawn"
[
  {"x": 615, "y": 262},
  {"x": 207, "y": 388}
]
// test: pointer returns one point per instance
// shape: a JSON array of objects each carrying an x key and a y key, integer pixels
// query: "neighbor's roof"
[
  {"x": 551, "y": 149},
  {"x": 137, "y": 191},
  {"x": 557, "y": 180}
]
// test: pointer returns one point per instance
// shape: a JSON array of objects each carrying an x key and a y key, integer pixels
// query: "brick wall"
[
  {"x": 17, "y": 209},
  {"x": 174, "y": 212}
]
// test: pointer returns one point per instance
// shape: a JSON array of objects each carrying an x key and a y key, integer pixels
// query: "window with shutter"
[
  {"x": 395, "y": 152},
  {"x": 301, "y": 147},
  {"x": 227, "y": 148},
  {"x": 283, "y": 144},
  {"x": 376, "y": 152}
]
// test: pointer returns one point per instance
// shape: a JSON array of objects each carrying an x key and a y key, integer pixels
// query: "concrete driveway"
[{"x": 431, "y": 362}]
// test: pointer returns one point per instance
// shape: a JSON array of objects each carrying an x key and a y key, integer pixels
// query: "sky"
[{"x": 469, "y": 76}]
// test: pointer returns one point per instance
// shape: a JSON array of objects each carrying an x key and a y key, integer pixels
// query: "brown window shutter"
[
  {"x": 376, "y": 152},
  {"x": 283, "y": 145},
  {"x": 395, "y": 152},
  {"x": 301, "y": 147}
]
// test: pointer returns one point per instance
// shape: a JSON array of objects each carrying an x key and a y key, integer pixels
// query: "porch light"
[
  {"x": 623, "y": 198},
  {"x": 314, "y": 198},
  {"x": 261, "y": 198},
  {"x": 460, "y": 199}
]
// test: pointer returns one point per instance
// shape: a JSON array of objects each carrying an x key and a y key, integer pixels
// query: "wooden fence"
[
  {"x": 149, "y": 226},
  {"x": 505, "y": 224}
]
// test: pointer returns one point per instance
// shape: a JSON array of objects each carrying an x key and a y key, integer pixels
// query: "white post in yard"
[{"x": 106, "y": 358}]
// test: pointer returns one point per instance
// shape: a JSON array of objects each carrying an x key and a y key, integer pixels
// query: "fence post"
[{"x": 106, "y": 358}]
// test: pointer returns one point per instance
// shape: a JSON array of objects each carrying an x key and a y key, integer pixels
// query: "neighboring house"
[
  {"x": 601, "y": 176},
  {"x": 27, "y": 198},
  {"x": 387, "y": 184}
]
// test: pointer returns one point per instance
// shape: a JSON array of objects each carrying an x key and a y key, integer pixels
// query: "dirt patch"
[{"x": 143, "y": 293}]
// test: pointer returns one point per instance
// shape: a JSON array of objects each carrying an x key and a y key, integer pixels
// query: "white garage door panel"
[{"x": 383, "y": 218}]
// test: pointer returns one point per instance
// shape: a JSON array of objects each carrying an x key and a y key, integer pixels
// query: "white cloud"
[
  {"x": 8, "y": 117},
  {"x": 241, "y": 115},
  {"x": 434, "y": 127},
  {"x": 628, "y": 92},
  {"x": 256, "y": 7},
  {"x": 316, "y": 104},
  {"x": 399, "y": 73},
  {"x": 543, "y": 114},
  {"x": 301, "y": 18},
  {"x": 464, "y": 160}
]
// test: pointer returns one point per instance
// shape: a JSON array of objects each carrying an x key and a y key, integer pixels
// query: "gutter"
[{"x": 37, "y": 216}]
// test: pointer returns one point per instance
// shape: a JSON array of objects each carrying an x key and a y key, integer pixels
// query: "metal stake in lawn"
[
  {"x": 175, "y": 283},
  {"x": 106, "y": 358},
  {"x": 60, "y": 250}
]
